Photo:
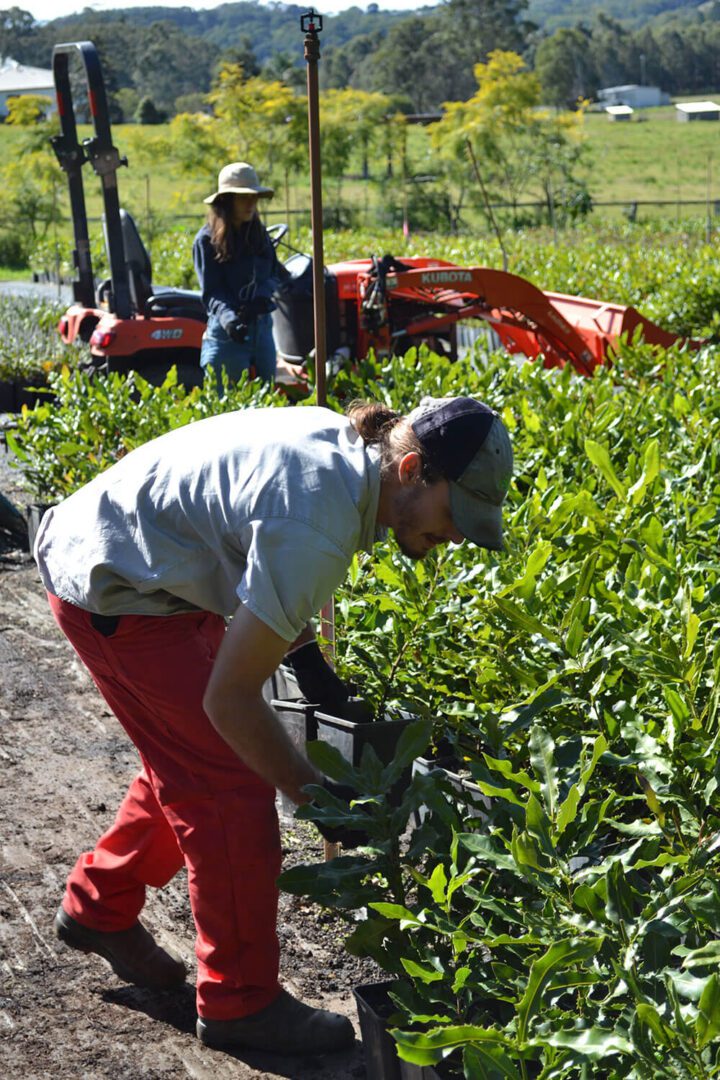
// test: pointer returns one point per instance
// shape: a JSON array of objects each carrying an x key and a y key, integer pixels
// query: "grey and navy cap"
[{"x": 467, "y": 442}]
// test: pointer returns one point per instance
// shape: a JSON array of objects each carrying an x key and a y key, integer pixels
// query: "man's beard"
[{"x": 408, "y": 523}]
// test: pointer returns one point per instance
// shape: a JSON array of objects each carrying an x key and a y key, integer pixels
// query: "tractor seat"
[
  {"x": 177, "y": 303},
  {"x": 149, "y": 299}
]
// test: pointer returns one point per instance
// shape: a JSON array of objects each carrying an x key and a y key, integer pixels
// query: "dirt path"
[{"x": 64, "y": 766}]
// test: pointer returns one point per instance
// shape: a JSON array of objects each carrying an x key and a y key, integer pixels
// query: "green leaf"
[
  {"x": 418, "y": 971},
  {"x": 600, "y": 458},
  {"x": 591, "y": 899},
  {"x": 322, "y": 879},
  {"x": 619, "y": 895},
  {"x": 488, "y": 1062},
  {"x": 411, "y": 744},
  {"x": 437, "y": 884},
  {"x": 542, "y": 757},
  {"x": 396, "y": 911},
  {"x": 561, "y": 955},
  {"x": 707, "y": 1024},
  {"x": 385, "y": 572},
  {"x": 429, "y": 1047},
  {"x": 650, "y": 470},
  {"x": 525, "y": 851},
  {"x": 652, "y": 799},
  {"x": 574, "y": 637},
  {"x": 538, "y": 824},
  {"x": 678, "y": 706},
  {"x": 522, "y": 619},
  {"x": 595, "y": 1043},
  {"x": 650, "y": 1017},
  {"x": 709, "y": 953},
  {"x": 568, "y": 810},
  {"x": 505, "y": 768},
  {"x": 692, "y": 628},
  {"x": 330, "y": 761},
  {"x": 599, "y": 747},
  {"x": 483, "y": 848}
]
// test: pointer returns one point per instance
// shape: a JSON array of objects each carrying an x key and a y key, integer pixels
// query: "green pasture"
[
  {"x": 650, "y": 157},
  {"x": 654, "y": 157}
]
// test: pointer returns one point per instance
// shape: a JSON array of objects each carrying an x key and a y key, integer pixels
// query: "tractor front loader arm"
[{"x": 523, "y": 316}]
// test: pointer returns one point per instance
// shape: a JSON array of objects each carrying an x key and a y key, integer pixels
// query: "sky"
[{"x": 42, "y": 10}]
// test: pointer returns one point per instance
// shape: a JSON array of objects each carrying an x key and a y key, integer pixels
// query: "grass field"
[{"x": 652, "y": 157}]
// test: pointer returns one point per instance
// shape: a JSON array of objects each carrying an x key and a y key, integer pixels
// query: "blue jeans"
[{"x": 258, "y": 350}]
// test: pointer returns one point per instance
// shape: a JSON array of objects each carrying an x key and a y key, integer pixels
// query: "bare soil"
[{"x": 64, "y": 766}]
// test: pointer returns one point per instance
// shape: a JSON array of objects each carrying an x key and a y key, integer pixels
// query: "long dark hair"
[{"x": 224, "y": 238}]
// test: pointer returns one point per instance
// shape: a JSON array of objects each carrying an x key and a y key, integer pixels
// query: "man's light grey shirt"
[{"x": 262, "y": 506}]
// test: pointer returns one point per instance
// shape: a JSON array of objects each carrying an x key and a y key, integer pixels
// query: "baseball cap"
[{"x": 468, "y": 443}]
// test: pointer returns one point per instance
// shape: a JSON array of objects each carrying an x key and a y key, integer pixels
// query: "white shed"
[
  {"x": 637, "y": 97},
  {"x": 697, "y": 110},
  {"x": 17, "y": 79},
  {"x": 618, "y": 112}
]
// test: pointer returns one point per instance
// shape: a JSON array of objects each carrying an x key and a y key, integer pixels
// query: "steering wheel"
[{"x": 276, "y": 233}]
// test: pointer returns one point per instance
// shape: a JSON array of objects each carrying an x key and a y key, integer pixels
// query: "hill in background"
[{"x": 158, "y": 61}]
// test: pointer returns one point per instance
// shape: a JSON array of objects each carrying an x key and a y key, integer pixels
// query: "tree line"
[{"x": 160, "y": 61}]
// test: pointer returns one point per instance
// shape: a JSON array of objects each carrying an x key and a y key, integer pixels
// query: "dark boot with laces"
[
  {"x": 286, "y": 1026},
  {"x": 133, "y": 954}
]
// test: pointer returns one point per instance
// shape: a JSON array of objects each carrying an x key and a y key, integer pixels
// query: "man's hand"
[{"x": 317, "y": 681}]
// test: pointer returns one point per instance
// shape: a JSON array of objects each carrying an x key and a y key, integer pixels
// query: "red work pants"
[{"x": 194, "y": 802}]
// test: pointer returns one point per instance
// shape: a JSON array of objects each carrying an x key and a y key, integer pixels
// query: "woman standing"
[{"x": 238, "y": 271}]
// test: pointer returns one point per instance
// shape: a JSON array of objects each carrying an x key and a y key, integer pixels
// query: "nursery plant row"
[{"x": 542, "y": 889}]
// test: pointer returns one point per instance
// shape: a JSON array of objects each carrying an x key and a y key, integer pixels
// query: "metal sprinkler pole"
[{"x": 311, "y": 25}]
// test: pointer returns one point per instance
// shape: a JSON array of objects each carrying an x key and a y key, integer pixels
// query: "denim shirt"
[{"x": 225, "y": 285}]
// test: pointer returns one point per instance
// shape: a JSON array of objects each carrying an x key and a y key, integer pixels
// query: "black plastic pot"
[
  {"x": 351, "y": 737},
  {"x": 31, "y": 395},
  {"x": 448, "y": 767},
  {"x": 298, "y": 720},
  {"x": 374, "y": 1009},
  {"x": 282, "y": 686},
  {"x": 7, "y": 396},
  {"x": 381, "y": 1058},
  {"x": 34, "y": 514},
  {"x": 418, "y": 1072}
]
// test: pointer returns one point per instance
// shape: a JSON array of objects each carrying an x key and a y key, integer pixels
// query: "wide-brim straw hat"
[{"x": 240, "y": 179}]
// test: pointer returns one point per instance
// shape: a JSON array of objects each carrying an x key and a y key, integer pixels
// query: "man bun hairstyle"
[
  {"x": 372, "y": 420},
  {"x": 379, "y": 425}
]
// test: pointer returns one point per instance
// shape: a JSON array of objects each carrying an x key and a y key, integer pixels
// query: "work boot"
[
  {"x": 133, "y": 954},
  {"x": 286, "y": 1026}
]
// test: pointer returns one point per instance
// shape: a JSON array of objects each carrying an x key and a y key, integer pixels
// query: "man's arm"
[{"x": 233, "y": 702}]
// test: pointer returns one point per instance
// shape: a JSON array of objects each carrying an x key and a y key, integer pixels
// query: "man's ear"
[{"x": 410, "y": 467}]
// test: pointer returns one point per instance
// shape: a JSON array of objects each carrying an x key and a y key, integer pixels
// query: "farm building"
[
  {"x": 697, "y": 110},
  {"x": 16, "y": 79},
  {"x": 637, "y": 97},
  {"x": 618, "y": 112}
]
